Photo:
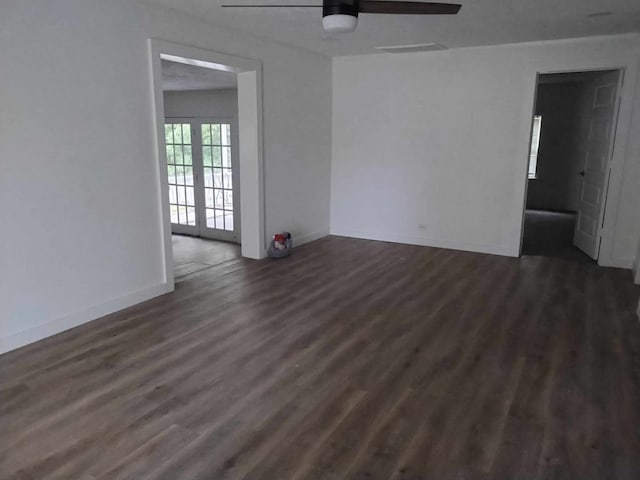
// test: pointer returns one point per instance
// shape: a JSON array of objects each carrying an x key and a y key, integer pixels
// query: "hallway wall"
[
  {"x": 201, "y": 103},
  {"x": 557, "y": 186}
]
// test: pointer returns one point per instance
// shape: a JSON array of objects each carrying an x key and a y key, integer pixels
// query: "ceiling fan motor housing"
[
  {"x": 339, "y": 16},
  {"x": 338, "y": 7}
]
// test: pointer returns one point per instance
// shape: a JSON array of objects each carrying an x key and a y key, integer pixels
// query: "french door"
[{"x": 202, "y": 168}]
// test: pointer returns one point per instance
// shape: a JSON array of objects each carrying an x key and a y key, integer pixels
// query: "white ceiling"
[
  {"x": 480, "y": 22},
  {"x": 180, "y": 76}
]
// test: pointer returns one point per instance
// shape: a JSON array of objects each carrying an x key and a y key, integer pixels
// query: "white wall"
[
  {"x": 81, "y": 212},
  {"x": 432, "y": 148},
  {"x": 201, "y": 103}
]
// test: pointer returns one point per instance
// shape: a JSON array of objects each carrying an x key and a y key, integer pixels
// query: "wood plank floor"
[
  {"x": 351, "y": 359},
  {"x": 191, "y": 255}
]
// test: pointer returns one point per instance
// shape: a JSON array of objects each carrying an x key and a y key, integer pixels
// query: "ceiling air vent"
[
  {"x": 600, "y": 14},
  {"x": 422, "y": 47}
]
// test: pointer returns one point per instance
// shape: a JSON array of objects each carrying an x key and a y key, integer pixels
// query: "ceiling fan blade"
[
  {"x": 271, "y": 6},
  {"x": 408, "y": 8}
]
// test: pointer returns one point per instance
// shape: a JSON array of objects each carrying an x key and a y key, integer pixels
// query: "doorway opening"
[
  {"x": 201, "y": 141},
  {"x": 208, "y": 113},
  {"x": 572, "y": 141}
]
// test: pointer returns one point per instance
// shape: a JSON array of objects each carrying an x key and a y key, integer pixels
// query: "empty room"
[{"x": 320, "y": 239}]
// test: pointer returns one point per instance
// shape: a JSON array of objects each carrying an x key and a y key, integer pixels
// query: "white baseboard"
[
  {"x": 33, "y": 334},
  {"x": 427, "y": 242},
  {"x": 301, "y": 240}
]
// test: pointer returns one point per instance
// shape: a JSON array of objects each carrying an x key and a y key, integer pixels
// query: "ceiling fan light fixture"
[
  {"x": 339, "y": 23},
  {"x": 341, "y": 16}
]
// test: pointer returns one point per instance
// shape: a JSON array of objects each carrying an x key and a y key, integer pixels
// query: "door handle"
[{"x": 581, "y": 173}]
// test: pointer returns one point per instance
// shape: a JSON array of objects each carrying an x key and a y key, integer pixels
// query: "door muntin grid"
[
  {"x": 218, "y": 175},
  {"x": 180, "y": 173}
]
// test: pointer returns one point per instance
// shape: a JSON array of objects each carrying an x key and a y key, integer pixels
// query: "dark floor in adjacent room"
[
  {"x": 550, "y": 234},
  {"x": 193, "y": 254},
  {"x": 352, "y": 359}
]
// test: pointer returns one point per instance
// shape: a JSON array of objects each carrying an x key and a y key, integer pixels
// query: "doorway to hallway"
[
  {"x": 208, "y": 71},
  {"x": 572, "y": 143},
  {"x": 201, "y": 143}
]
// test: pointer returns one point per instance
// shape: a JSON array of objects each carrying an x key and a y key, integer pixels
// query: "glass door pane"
[
  {"x": 180, "y": 172},
  {"x": 218, "y": 176}
]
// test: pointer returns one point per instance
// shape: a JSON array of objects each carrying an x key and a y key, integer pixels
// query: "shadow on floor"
[
  {"x": 550, "y": 234},
  {"x": 192, "y": 254}
]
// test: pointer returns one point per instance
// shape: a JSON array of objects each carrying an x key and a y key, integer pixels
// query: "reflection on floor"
[
  {"x": 191, "y": 254},
  {"x": 550, "y": 234}
]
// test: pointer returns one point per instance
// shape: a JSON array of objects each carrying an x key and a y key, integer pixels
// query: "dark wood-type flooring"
[
  {"x": 192, "y": 255},
  {"x": 550, "y": 234},
  {"x": 351, "y": 359}
]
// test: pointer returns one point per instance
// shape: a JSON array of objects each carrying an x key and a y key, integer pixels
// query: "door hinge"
[
  {"x": 599, "y": 247},
  {"x": 604, "y": 199}
]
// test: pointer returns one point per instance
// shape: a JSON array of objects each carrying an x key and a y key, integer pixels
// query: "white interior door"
[
  {"x": 203, "y": 177},
  {"x": 599, "y": 126}
]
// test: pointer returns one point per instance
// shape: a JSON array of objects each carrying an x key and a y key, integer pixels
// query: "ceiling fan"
[{"x": 339, "y": 16}]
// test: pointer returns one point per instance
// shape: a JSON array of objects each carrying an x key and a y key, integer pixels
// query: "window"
[{"x": 535, "y": 143}]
